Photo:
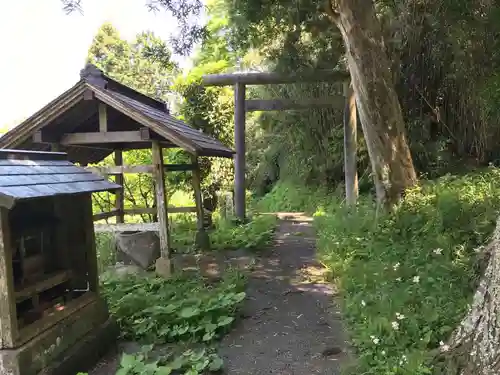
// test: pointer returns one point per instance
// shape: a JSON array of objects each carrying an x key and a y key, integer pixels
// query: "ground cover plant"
[
  {"x": 227, "y": 235},
  {"x": 185, "y": 314},
  {"x": 406, "y": 279}
]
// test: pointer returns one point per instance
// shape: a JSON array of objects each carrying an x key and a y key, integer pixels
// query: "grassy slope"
[{"x": 406, "y": 279}]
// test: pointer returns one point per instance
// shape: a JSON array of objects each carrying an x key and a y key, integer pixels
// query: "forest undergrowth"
[
  {"x": 178, "y": 321},
  {"x": 406, "y": 279}
]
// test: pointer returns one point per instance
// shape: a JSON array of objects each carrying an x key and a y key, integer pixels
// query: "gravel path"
[{"x": 290, "y": 326}]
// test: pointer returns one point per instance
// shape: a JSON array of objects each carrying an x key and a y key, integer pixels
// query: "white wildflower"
[
  {"x": 399, "y": 316},
  {"x": 444, "y": 347},
  {"x": 398, "y": 279},
  {"x": 396, "y": 266},
  {"x": 416, "y": 279},
  {"x": 403, "y": 360},
  {"x": 375, "y": 340},
  {"x": 383, "y": 352},
  {"x": 438, "y": 251},
  {"x": 395, "y": 325},
  {"x": 363, "y": 303}
]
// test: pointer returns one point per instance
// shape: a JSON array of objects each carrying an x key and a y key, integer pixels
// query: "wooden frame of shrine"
[{"x": 98, "y": 117}]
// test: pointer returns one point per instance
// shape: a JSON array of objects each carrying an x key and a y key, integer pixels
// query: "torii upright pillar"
[{"x": 239, "y": 144}]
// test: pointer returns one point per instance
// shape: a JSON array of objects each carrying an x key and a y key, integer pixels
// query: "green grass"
[
  {"x": 405, "y": 279},
  {"x": 288, "y": 197},
  {"x": 254, "y": 235}
]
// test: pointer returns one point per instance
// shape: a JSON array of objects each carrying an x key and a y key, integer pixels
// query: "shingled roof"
[
  {"x": 30, "y": 174},
  {"x": 129, "y": 110}
]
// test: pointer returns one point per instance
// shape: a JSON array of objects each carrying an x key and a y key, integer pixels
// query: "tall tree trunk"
[
  {"x": 474, "y": 347},
  {"x": 378, "y": 105}
]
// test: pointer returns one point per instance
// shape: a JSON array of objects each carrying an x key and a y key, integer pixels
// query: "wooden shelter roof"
[
  {"x": 30, "y": 174},
  {"x": 76, "y": 111}
]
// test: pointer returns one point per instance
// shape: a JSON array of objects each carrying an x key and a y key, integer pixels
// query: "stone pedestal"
[{"x": 71, "y": 345}]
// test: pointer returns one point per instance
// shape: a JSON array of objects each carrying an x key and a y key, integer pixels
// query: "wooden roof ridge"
[
  {"x": 32, "y": 174},
  {"x": 147, "y": 111},
  {"x": 96, "y": 77},
  {"x": 164, "y": 124},
  {"x": 46, "y": 114}
]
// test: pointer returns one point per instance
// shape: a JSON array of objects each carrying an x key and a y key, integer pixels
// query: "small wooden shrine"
[
  {"x": 52, "y": 319},
  {"x": 99, "y": 117}
]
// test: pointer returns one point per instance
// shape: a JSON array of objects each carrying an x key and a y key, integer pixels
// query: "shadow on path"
[{"x": 290, "y": 325}]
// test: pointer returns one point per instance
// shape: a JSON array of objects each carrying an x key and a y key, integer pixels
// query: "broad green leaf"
[
  {"x": 224, "y": 321},
  {"x": 163, "y": 370},
  {"x": 122, "y": 371},
  {"x": 177, "y": 363},
  {"x": 128, "y": 361},
  {"x": 216, "y": 364},
  {"x": 189, "y": 312},
  {"x": 208, "y": 336}
]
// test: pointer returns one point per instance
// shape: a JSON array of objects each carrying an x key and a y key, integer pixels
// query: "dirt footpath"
[{"x": 290, "y": 325}]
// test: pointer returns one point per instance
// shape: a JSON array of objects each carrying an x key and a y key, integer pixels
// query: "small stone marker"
[{"x": 163, "y": 267}]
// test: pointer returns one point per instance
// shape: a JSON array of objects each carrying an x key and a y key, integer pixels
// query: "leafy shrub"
[
  {"x": 157, "y": 310},
  {"x": 227, "y": 235},
  {"x": 289, "y": 197},
  {"x": 105, "y": 248},
  {"x": 190, "y": 362},
  {"x": 407, "y": 278},
  {"x": 183, "y": 309},
  {"x": 256, "y": 234}
]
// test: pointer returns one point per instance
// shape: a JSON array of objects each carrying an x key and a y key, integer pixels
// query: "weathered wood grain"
[
  {"x": 161, "y": 200},
  {"x": 105, "y": 137},
  {"x": 264, "y": 78},
  {"x": 8, "y": 319},
  {"x": 120, "y": 196}
]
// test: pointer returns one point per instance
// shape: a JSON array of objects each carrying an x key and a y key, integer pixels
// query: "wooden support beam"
[
  {"x": 163, "y": 265},
  {"x": 106, "y": 137},
  {"x": 263, "y": 78},
  {"x": 294, "y": 104},
  {"x": 8, "y": 319},
  {"x": 119, "y": 196},
  {"x": 90, "y": 244},
  {"x": 121, "y": 169},
  {"x": 104, "y": 215},
  {"x": 239, "y": 158},
  {"x": 152, "y": 210},
  {"x": 103, "y": 118},
  {"x": 202, "y": 240},
  {"x": 114, "y": 170},
  {"x": 350, "y": 148}
]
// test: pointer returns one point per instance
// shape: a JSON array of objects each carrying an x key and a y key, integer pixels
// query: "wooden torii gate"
[{"x": 241, "y": 105}]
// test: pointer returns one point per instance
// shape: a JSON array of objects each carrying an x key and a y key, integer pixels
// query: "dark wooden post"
[
  {"x": 163, "y": 265},
  {"x": 119, "y": 198},
  {"x": 239, "y": 143},
  {"x": 350, "y": 146},
  {"x": 8, "y": 319},
  {"x": 90, "y": 245},
  {"x": 202, "y": 240}
]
